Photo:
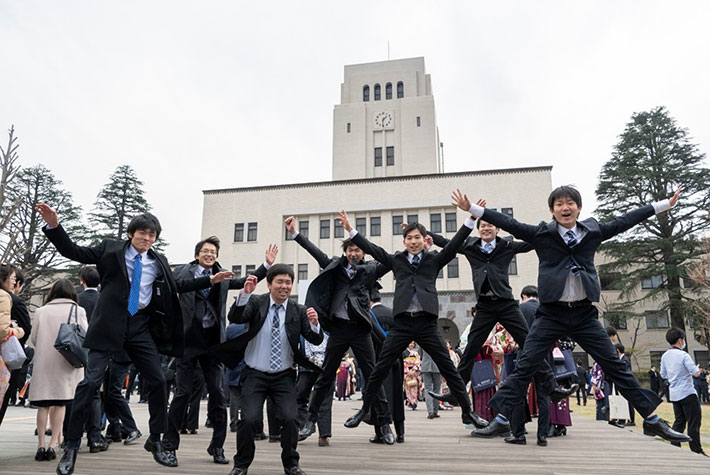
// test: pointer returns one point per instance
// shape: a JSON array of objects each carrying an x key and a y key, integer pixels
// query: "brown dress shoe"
[{"x": 323, "y": 442}]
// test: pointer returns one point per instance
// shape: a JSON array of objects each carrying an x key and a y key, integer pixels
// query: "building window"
[
  {"x": 348, "y": 127},
  {"x": 239, "y": 232},
  {"x": 338, "y": 231},
  {"x": 652, "y": 283},
  {"x": 249, "y": 270},
  {"x": 507, "y": 211},
  {"x": 451, "y": 222},
  {"x": 302, "y": 272},
  {"x": 610, "y": 280},
  {"x": 441, "y": 274},
  {"x": 366, "y": 93},
  {"x": 412, "y": 218},
  {"x": 375, "y": 226},
  {"x": 656, "y": 319},
  {"x": 656, "y": 358},
  {"x": 390, "y": 156},
  {"x": 251, "y": 232},
  {"x": 388, "y": 90},
  {"x": 419, "y": 121},
  {"x": 237, "y": 271},
  {"x": 325, "y": 229},
  {"x": 303, "y": 228},
  {"x": 361, "y": 226},
  {"x": 513, "y": 266},
  {"x": 616, "y": 320},
  {"x": 435, "y": 222},
  {"x": 378, "y": 156},
  {"x": 453, "y": 268},
  {"x": 400, "y": 90},
  {"x": 397, "y": 221},
  {"x": 378, "y": 92}
]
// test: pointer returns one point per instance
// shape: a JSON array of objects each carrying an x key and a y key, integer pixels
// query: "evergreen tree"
[{"x": 653, "y": 157}]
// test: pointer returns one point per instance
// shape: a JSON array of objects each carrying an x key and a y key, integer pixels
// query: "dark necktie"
[
  {"x": 205, "y": 292},
  {"x": 135, "y": 291},
  {"x": 571, "y": 238},
  {"x": 275, "y": 358},
  {"x": 350, "y": 270},
  {"x": 415, "y": 262}
]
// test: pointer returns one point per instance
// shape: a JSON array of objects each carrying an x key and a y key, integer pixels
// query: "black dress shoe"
[
  {"x": 355, "y": 420},
  {"x": 183, "y": 431},
  {"x": 50, "y": 455},
  {"x": 217, "y": 454},
  {"x": 132, "y": 437},
  {"x": 307, "y": 430},
  {"x": 239, "y": 471},
  {"x": 67, "y": 462},
  {"x": 494, "y": 429},
  {"x": 444, "y": 397},
  {"x": 542, "y": 441},
  {"x": 559, "y": 393},
  {"x": 294, "y": 471},
  {"x": 519, "y": 440},
  {"x": 664, "y": 431},
  {"x": 41, "y": 454},
  {"x": 387, "y": 435},
  {"x": 377, "y": 439},
  {"x": 98, "y": 446},
  {"x": 160, "y": 454},
  {"x": 470, "y": 417},
  {"x": 260, "y": 436},
  {"x": 400, "y": 438}
]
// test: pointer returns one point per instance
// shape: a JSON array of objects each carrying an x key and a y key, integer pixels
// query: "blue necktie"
[
  {"x": 205, "y": 292},
  {"x": 275, "y": 358},
  {"x": 135, "y": 292},
  {"x": 571, "y": 238},
  {"x": 488, "y": 248}
]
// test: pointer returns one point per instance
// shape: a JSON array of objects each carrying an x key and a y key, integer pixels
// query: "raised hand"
[
  {"x": 428, "y": 242},
  {"x": 343, "y": 218},
  {"x": 220, "y": 276},
  {"x": 312, "y": 316},
  {"x": 291, "y": 225},
  {"x": 48, "y": 215},
  {"x": 481, "y": 202},
  {"x": 676, "y": 195},
  {"x": 460, "y": 200},
  {"x": 404, "y": 225},
  {"x": 271, "y": 252},
  {"x": 250, "y": 284}
]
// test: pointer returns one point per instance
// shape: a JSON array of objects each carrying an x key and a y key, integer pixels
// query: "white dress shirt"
[{"x": 148, "y": 273}]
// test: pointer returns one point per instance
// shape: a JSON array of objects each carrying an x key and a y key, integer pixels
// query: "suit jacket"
[
  {"x": 493, "y": 266},
  {"x": 20, "y": 314},
  {"x": 254, "y": 313},
  {"x": 217, "y": 298},
  {"x": 386, "y": 321},
  {"x": 87, "y": 301},
  {"x": 332, "y": 287},
  {"x": 108, "y": 323},
  {"x": 528, "y": 310},
  {"x": 423, "y": 279},
  {"x": 555, "y": 256}
]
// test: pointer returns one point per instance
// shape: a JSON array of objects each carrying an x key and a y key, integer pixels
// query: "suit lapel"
[
  {"x": 121, "y": 256},
  {"x": 552, "y": 229}
]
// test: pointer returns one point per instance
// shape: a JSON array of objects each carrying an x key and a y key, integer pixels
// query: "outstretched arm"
[
  {"x": 454, "y": 245},
  {"x": 321, "y": 258},
  {"x": 526, "y": 232},
  {"x": 61, "y": 240},
  {"x": 375, "y": 251},
  {"x": 626, "y": 221}
]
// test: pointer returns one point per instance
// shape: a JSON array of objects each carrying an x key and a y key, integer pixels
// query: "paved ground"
[{"x": 439, "y": 446}]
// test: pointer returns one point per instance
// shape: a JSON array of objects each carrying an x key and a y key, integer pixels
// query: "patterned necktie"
[
  {"x": 275, "y": 358},
  {"x": 135, "y": 291},
  {"x": 350, "y": 270},
  {"x": 205, "y": 292},
  {"x": 415, "y": 262},
  {"x": 488, "y": 248},
  {"x": 571, "y": 238}
]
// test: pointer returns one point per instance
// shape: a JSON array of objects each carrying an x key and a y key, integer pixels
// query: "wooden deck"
[{"x": 439, "y": 446}]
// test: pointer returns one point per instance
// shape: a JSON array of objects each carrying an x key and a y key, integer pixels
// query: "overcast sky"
[{"x": 216, "y": 94}]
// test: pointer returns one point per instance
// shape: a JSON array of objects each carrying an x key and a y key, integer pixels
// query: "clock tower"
[{"x": 385, "y": 124}]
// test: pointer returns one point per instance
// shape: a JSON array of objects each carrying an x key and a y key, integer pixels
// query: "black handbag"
[{"x": 70, "y": 341}]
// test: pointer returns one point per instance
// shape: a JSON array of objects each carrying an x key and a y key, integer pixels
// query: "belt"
[
  {"x": 576, "y": 303},
  {"x": 416, "y": 314}
]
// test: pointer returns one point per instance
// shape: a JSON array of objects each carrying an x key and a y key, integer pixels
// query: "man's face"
[
  {"x": 566, "y": 212},
  {"x": 354, "y": 254},
  {"x": 414, "y": 242},
  {"x": 280, "y": 287},
  {"x": 207, "y": 255},
  {"x": 143, "y": 239},
  {"x": 487, "y": 231}
]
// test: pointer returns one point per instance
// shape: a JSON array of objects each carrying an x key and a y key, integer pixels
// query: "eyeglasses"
[{"x": 208, "y": 251}]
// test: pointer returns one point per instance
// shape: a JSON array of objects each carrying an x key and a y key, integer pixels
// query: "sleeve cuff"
[
  {"x": 266, "y": 265},
  {"x": 48, "y": 227},
  {"x": 293, "y": 236},
  {"x": 661, "y": 206},
  {"x": 469, "y": 223},
  {"x": 476, "y": 211},
  {"x": 315, "y": 328},
  {"x": 352, "y": 233},
  {"x": 242, "y": 299}
]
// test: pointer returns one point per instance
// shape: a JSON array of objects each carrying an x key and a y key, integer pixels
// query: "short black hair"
[
  {"x": 6, "y": 271},
  {"x": 278, "y": 269},
  {"x": 567, "y": 191},
  {"x": 62, "y": 289},
  {"x": 478, "y": 223},
  {"x": 90, "y": 276},
  {"x": 611, "y": 331},
  {"x": 673, "y": 334},
  {"x": 145, "y": 221},
  {"x": 19, "y": 277},
  {"x": 214, "y": 240},
  {"x": 620, "y": 347},
  {"x": 529, "y": 291},
  {"x": 414, "y": 226},
  {"x": 348, "y": 243}
]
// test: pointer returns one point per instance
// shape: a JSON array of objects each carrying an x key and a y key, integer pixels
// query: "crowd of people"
[{"x": 514, "y": 360}]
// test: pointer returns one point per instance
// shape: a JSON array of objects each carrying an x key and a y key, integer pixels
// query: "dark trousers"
[
  {"x": 235, "y": 407},
  {"x": 582, "y": 325},
  {"x": 118, "y": 412},
  {"x": 346, "y": 334},
  {"x": 12, "y": 389},
  {"x": 142, "y": 350},
  {"x": 93, "y": 421},
  {"x": 304, "y": 386},
  {"x": 687, "y": 411},
  {"x": 424, "y": 331},
  {"x": 583, "y": 390},
  {"x": 216, "y": 407},
  {"x": 281, "y": 387},
  {"x": 543, "y": 416},
  {"x": 191, "y": 419},
  {"x": 394, "y": 389}
]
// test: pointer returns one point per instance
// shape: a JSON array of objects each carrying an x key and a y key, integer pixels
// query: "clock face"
[{"x": 384, "y": 120}]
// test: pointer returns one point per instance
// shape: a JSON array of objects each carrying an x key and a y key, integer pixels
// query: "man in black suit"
[
  {"x": 270, "y": 348},
  {"x": 204, "y": 314},
  {"x": 490, "y": 256},
  {"x": 655, "y": 379},
  {"x": 416, "y": 309},
  {"x": 341, "y": 296},
  {"x": 137, "y": 310},
  {"x": 567, "y": 285}
]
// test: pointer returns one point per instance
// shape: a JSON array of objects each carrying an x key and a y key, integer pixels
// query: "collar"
[
  {"x": 131, "y": 253},
  {"x": 202, "y": 269},
  {"x": 271, "y": 302},
  {"x": 95, "y": 289},
  {"x": 492, "y": 243},
  {"x": 563, "y": 230},
  {"x": 410, "y": 256}
]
